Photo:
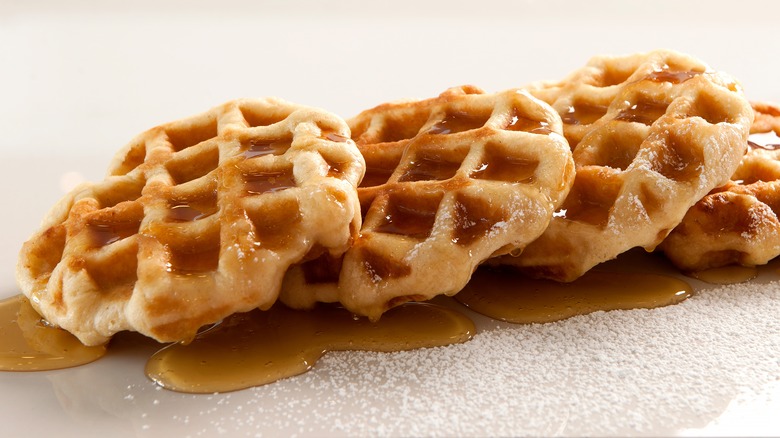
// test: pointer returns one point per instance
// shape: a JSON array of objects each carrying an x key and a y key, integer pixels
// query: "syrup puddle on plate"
[
  {"x": 260, "y": 347},
  {"x": 28, "y": 343},
  {"x": 731, "y": 274},
  {"x": 507, "y": 296}
]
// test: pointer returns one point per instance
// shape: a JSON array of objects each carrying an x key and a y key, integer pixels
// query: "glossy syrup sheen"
[
  {"x": 457, "y": 122},
  {"x": 726, "y": 274},
  {"x": 260, "y": 347},
  {"x": 430, "y": 168},
  {"x": 507, "y": 296},
  {"x": 106, "y": 233},
  {"x": 520, "y": 123},
  {"x": 674, "y": 77},
  {"x": 271, "y": 181},
  {"x": 27, "y": 343},
  {"x": 260, "y": 148},
  {"x": 193, "y": 209},
  {"x": 583, "y": 114},
  {"x": 643, "y": 112}
]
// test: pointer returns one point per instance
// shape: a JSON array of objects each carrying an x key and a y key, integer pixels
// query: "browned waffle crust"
[
  {"x": 197, "y": 219},
  {"x": 450, "y": 181},
  {"x": 736, "y": 223},
  {"x": 652, "y": 133}
]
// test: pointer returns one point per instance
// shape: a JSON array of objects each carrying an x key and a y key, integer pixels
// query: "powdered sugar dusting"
[
  {"x": 639, "y": 372},
  {"x": 648, "y": 372}
]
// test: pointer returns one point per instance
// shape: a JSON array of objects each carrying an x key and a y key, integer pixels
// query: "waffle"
[
  {"x": 651, "y": 134},
  {"x": 450, "y": 181},
  {"x": 736, "y": 223},
  {"x": 197, "y": 219}
]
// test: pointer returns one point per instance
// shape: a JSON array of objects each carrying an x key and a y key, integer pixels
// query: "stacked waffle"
[{"x": 258, "y": 201}]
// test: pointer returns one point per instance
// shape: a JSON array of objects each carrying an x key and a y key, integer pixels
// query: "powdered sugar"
[
  {"x": 648, "y": 372},
  {"x": 639, "y": 372}
]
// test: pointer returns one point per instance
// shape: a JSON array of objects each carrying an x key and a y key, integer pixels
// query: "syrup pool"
[
  {"x": 261, "y": 347},
  {"x": 504, "y": 295},
  {"x": 731, "y": 274},
  {"x": 28, "y": 343}
]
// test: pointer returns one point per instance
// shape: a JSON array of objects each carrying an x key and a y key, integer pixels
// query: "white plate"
[{"x": 78, "y": 80}]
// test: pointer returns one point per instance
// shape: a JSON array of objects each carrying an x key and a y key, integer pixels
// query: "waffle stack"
[{"x": 259, "y": 201}]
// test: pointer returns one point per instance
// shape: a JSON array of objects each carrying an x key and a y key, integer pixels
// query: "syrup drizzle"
[
  {"x": 430, "y": 168},
  {"x": 28, "y": 343},
  {"x": 507, "y": 296},
  {"x": 457, "y": 122},
  {"x": 261, "y": 347},
  {"x": 510, "y": 169},
  {"x": 520, "y": 123},
  {"x": 674, "y": 77},
  {"x": 193, "y": 209},
  {"x": 376, "y": 176},
  {"x": 107, "y": 233},
  {"x": 643, "y": 112},
  {"x": 415, "y": 221},
  {"x": 583, "y": 114},
  {"x": 335, "y": 137},
  {"x": 271, "y": 181},
  {"x": 258, "y": 148}
]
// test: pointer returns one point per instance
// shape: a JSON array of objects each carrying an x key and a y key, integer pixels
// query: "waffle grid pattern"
[
  {"x": 737, "y": 223},
  {"x": 652, "y": 133},
  {"x": 450, "y": 182},
  {"x": 197, "y": 219}
]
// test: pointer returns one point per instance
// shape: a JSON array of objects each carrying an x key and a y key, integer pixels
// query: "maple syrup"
[
  {"x": 509, "y": 169},
  {"x": 193, "y": 209},
  {"x": 457, "y": 122},
  {"x": 673, "y": 77},
  {"x": 336, "y": 168},
  {"x": 583, "y": 114},
  {"x": 520, "y": 123},
  {"x": 28, "y": 343},
  {"x": 643, "y": 112},
  {"x": 332, "y": 136},
  {"x": 106, "y": 233},
  {"x": 430, "y": 168},
  {"x": 260, "y": 347},
  {"x": 272, "y": 181},
  {"x": 726, "y": 274},
  {"x": 259, "y": 148},
  {"x": 507, "y": 296},
  {"x": 376, "y": 176},
  {"x": 413, "y": 219}
]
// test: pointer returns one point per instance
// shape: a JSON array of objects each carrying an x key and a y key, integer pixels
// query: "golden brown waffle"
[
  {"x": 197, "y": 219},
  {"x": 450, "y": 181},
  {"x": 738, "y": 222},
  {"x": 652, "y": 133}
]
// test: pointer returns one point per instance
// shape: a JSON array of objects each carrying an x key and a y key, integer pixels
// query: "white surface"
[{"x": 79, "y": 79}]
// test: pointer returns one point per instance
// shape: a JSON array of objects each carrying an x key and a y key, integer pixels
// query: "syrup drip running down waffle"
[
  {"x": 450, "y": 181},
  {"x": 197, "y": 219},
  {"x": 651, "y": 134}
]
